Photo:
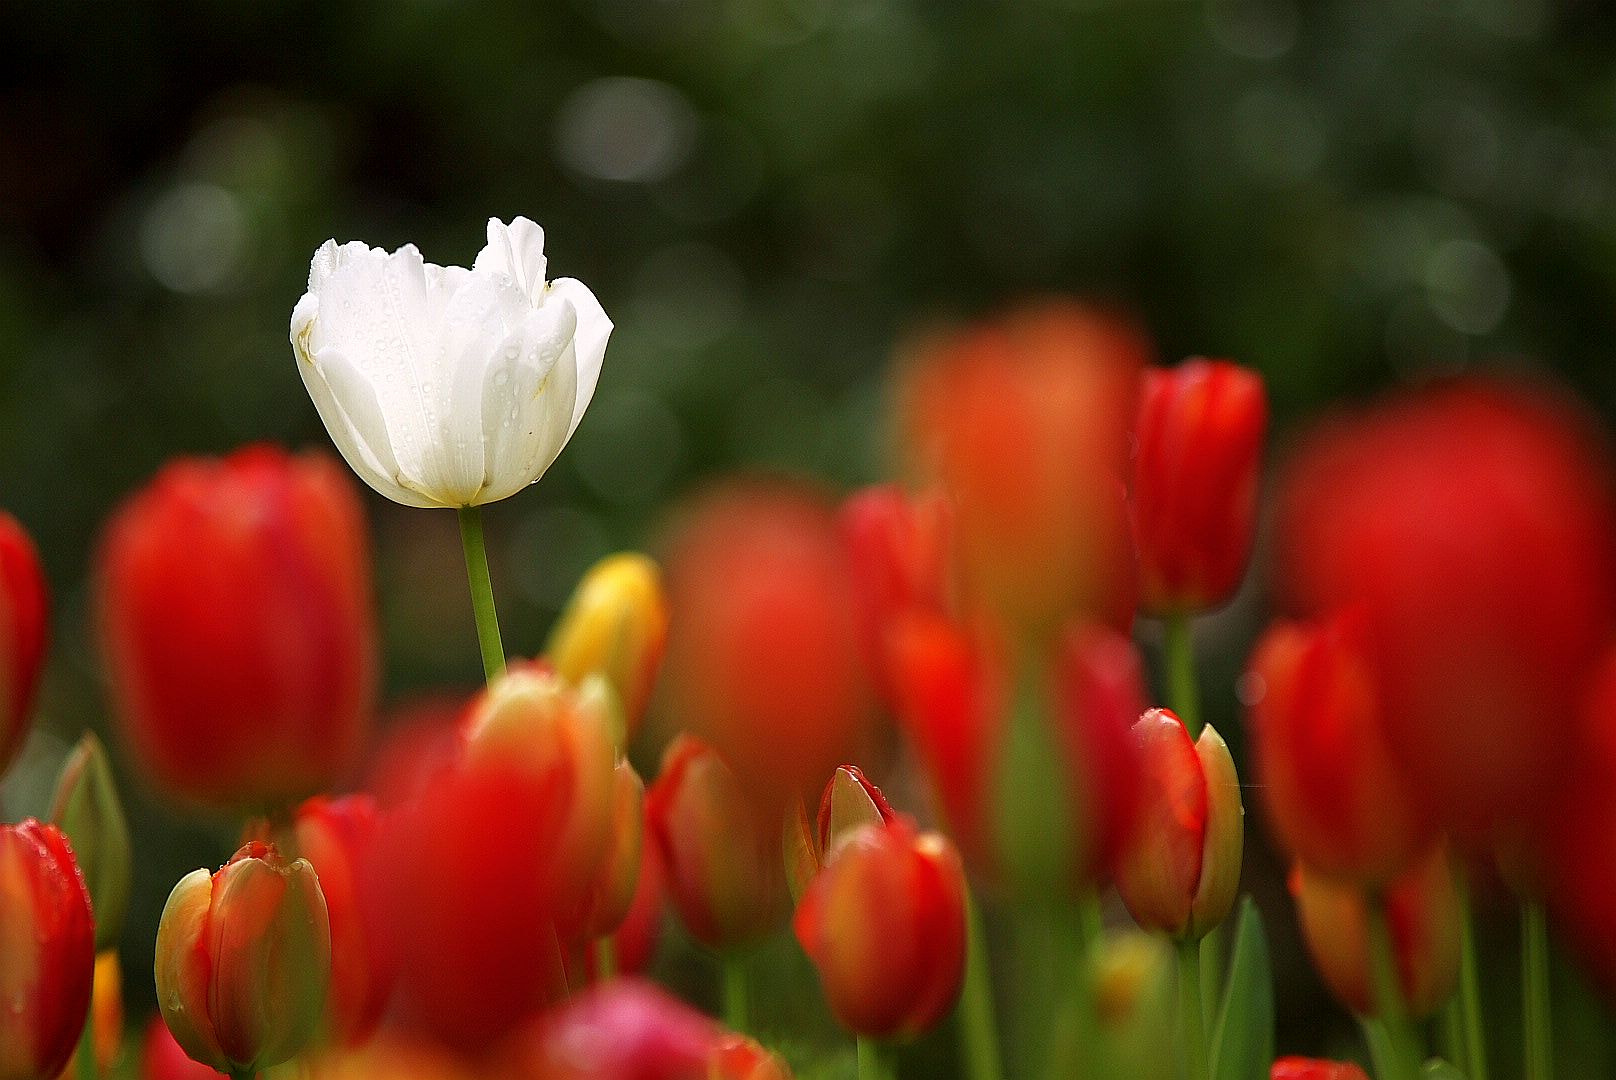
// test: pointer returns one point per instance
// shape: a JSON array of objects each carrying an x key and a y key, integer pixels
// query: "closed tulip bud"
[
  {"x": 1024, "y": 423},
  {"x": 1334, "y": 796},
  {"x": 564, "y": 739},
  {"x": 244, "y": 960},
  {"x": 850, "y": 800},
  {"x": 1422, "y": 914},
  {"x": 726, "y": 872},
  {"x": 1296, "y": 1068},
  {"x": 616, "y": 626},
  {"x": 899, "y": 554},
  {"x": 161, "y": 1058},
  {"x": 87, "y": 808},
  {"x": 1196, "y": 471},
  {"x": 635, "y": 940},
  {"x": 442, "y": 385},
  {"x": 47, "y": 951},
  {"x": 619, "y": 874},
  {"x": 884, "y": 923},
  {"x": 243, "y": 678},
  {"x": 338, "y": 837},
  {"x": 1181, "y": 870},
  {"x": 23, "y": 615}
]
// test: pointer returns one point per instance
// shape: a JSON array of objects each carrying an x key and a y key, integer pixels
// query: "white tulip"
[{"x": 443, "y": 386}]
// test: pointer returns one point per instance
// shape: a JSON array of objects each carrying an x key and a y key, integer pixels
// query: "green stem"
[
  {"x": 870, "y": 1063},
  {"x": 482, "y": 592},
  {"x": 1475, "y": 1039},
  {"x": 1075, "y": 1027},
  {"x": 1402, "y": 1045},
  {"x": 605, "y": 958},
  {"x": 734, "y": 992},
  {"x": 1191, "y": 1018},
  {"x": 979, "y": 1025},
  {"x": 1535, "y": 992},
  {"x": 1182, "y": 693}
]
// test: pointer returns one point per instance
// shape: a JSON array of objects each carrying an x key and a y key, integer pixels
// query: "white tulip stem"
[{"x": 482, "y": 592}]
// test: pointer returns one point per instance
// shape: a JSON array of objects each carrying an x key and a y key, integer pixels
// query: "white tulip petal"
[
  {"x": 347, "y": 404},
  {"x": 594, "y": 329},
  {"x": 526, "y": 414},
  {"x": 516, "y": 249}
]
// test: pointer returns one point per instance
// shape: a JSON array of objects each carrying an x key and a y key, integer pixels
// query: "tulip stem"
[
  {"x": 1539, "y": 1042},
  {"x": 1191, "y": 1017},
  {"x": 734, "y": 992},
  {"x": 1075, "y": 1030},
  {"x": 979, "y": 1025},
  {"x": 870, "y": 1063},
  {"x": 1402, "y": 1051},
  {"x": 605, "y": 958},
  {"x": 482, "y": 592},
  {"x": 1475, "y": 1041},
  {"x": 1182, "y": 693}
]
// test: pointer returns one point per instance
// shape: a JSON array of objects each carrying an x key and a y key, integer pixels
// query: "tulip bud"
[
  {"x": 87, "y": 808},
  {"x": 23, "y": 617},
  {"x": 47, "y": 951},
  {"x": 244, "y": 960},
  {"x": 1335, "y": 799},
  {"x": 563, "y": 739},
  {"x": 243, "y": 679},
  {"x": 1422, "y": 914},
  {"x": 619, "y": 874},
  {"x": 898, "y": 553},
  {"x": 1296, "y": 1068},
  {"x": 635, "y": 940},
  {"x": 738, "y": 1058},
  {"x": 763, "y": 653},
  {"x": 726, "y": 872},
  {"x": 1181, "y": 870},
  {"x": 161, "y": 1058},
  {"x": 884, "y": 923},
  {"x": 338, "y": 837},
  {"x": 850, "y": 800},
  {"x": 1200, "y": 436},
  {"x": 616, "y": 626}
]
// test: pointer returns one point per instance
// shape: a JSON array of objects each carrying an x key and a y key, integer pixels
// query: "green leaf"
[
  {"x": 1243, "y": 1042},
  {"x": 1437, "y": 1069}
]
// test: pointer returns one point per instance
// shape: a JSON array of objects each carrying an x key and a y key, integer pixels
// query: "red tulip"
[
  {"x": 1195, "y": 479},
  {"x": 763, "y": 654},
  {"x": 884, "y": 923},
  {"x": 1422, "y": 915},
  {"x": 1181, "y": 870},
  {"x": 898, "y": 552},
  {"x": 726, "y": 871},
  {"x": 616, "y": 881},
  {"x": 1335, "y": 798},
  {"x": 338, "y": 836},
  {"x": 421, "y": 739},
  {"x": 1472, "y": 524},
  {"x": 236, "y": 616},
  {"x": 161, "y": 1058},
  {"x": 953, "y": 702},
  {"x": 47, "y": 951},
  {"x": 23, "y": 615},
  {"x": 1024, "y": 423},
  {"x": 1296, "y": 1068},
  {"x": 244, "y": 960},
  {"x": 629, "y": 1029}
]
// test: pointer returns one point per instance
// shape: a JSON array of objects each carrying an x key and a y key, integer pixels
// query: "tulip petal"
[
  {"x": 528, "y": 400},
  {"x": 182, "y": 974},
  {"x": 347, "y": 402},
  {"x": 594, "y": 329},
  {"x": 516, "y": 249}
]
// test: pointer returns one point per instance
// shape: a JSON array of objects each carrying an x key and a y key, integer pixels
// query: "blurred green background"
[{"x": 765, "y": 195}]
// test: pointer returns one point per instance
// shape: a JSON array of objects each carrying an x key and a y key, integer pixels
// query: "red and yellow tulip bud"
[
  {"x": 161, "y": 1058},
  {"x": 884, "y": 924},
  {"x": 106, "y": 1014},
  {"x": 635, "y": 940},
  {"x": 726, "y": 872},
  {"x": 565, "y": 740},
  {"x": 954, "y": 702},
  {"x": 47, "y": 951},
  {"x": 615, "y": 626},
  {"x": 1024, "y": 422},
  {"x": 1181, "y": 869},
  {"x": 244, "y": 960},
  {"x": 850, "y": 800},
  {"x": 1334, "y": 797},
  {"x": 764, "y": 660},
  {"x": 339, "y": 836},
  {"x": 1195, "y": 480},
  {"x": 898, "y": 551},
  {"x": 246, "y": 678},
  {"x": 23, "y": 616},
  {"x": 1296, "y": 1068},
  {"x": 1422, "y": 914},
  {"x": 617, "y": 881},
  {"x": 87, "y": 809},
  {"x": 738, "y": 1058}
]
